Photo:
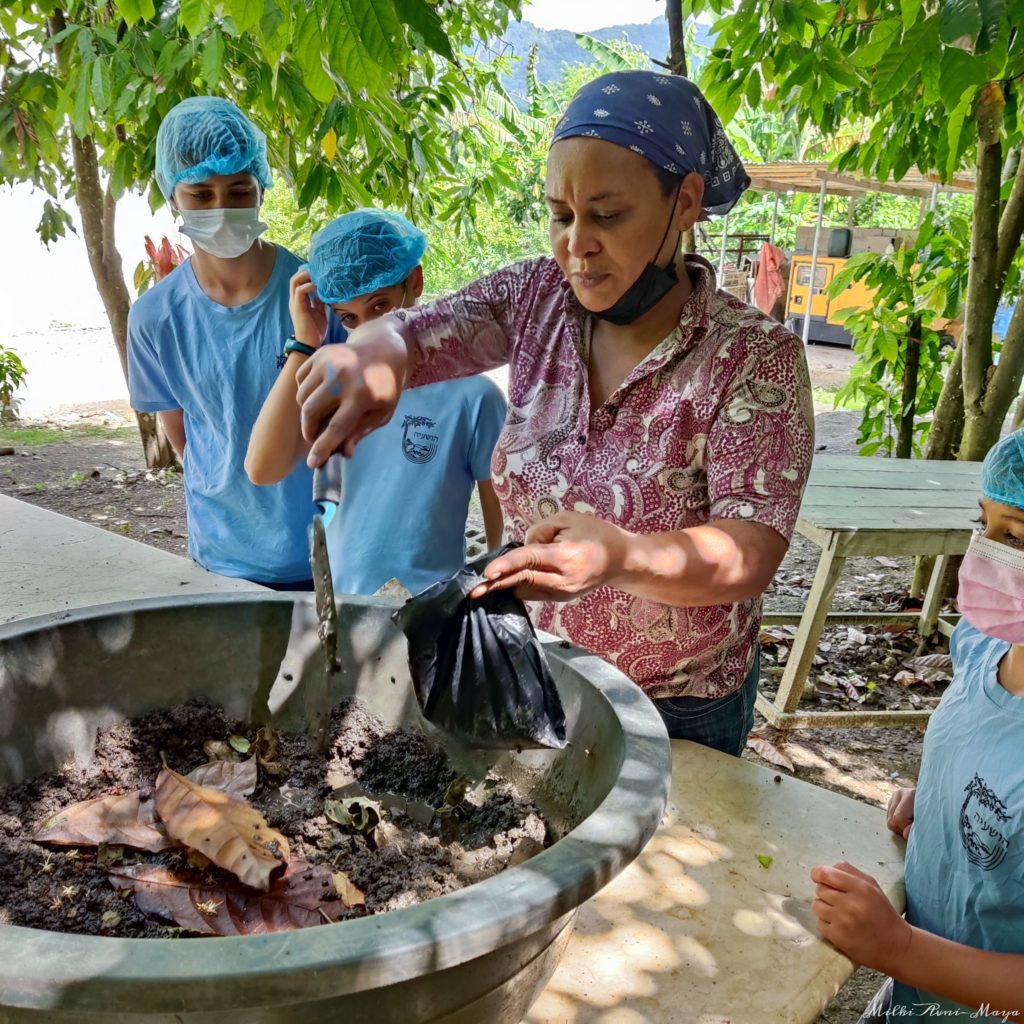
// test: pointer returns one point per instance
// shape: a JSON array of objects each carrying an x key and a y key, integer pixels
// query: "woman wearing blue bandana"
[{"x": 659, "y": 431}]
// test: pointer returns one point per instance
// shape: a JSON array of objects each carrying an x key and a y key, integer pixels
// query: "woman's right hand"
[
  {"x": 900, "y": 812},
  {"x": 309, "y": 315},
  {"x": 348, "y": 390}
]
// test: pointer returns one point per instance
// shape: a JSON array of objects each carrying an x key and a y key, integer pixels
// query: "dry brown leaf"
[
  {"x": 888, "y": 563},
  {"x": 220, "y": 750},
  {"x": 304, "y": 895},
  {"x": 935, "y": 668},
  {"x": 906, "y": 678},
  {"x": 348, "y": 893},
  {"x": 120, "y": 819},
  {"x": 235, "y": 777},
  {"x": 232, "y": 833},
  {"x": 768, "y": 742}
]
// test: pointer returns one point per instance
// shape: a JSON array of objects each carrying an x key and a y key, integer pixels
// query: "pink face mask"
[{"x": 991, "y": 594}]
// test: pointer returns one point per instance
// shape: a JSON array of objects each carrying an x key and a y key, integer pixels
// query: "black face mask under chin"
[{"x": 653, "y": 284}]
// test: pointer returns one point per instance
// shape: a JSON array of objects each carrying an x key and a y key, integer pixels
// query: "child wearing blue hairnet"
[
  {"x": 407, "y": 487},
  {"x": 959, "y": 953},
  {"x": 204, "y": 345}
]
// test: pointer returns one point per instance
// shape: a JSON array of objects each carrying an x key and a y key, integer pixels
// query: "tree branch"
[
  {"x": 981, "y": 293},
  {"x": 677, "y": 43},
  {"x": 1006, "y": 380},
  {"x": 1011, "y": 228}
]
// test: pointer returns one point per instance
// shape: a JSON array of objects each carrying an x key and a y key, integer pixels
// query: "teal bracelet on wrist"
[{"x": 294, "y": 345}]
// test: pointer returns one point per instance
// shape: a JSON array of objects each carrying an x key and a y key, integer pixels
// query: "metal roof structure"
[{"x": 793, "y": 176}]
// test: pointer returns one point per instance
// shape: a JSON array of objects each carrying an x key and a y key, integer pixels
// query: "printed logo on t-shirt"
[
  {"x": 983, "y": 818},
  {"x": 419, "y": 443}
]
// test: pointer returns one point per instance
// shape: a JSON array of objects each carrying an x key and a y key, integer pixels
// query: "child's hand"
[
  {"x": 309, "y": 315},
  {"x": 856, "y": 917},
  {"x": 899, "y": 815}
]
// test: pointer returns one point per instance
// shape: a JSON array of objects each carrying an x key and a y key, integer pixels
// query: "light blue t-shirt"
[
  {"x": 218, "y": 363},
  {"x": 965, "y": 855},
  {"x": 406, "y": 489}
]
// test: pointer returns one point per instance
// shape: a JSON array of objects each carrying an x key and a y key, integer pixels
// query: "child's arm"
[
  {"x": 899, "y": 816},
  {"x": 856, "y": 917},
  {"x": 276, "y": 441},
  {"x": 493, "y": 523},
  {"x": 172, "y": 423}
]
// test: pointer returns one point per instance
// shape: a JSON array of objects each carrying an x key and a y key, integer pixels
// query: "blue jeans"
[{"x": 722, "y": 723}]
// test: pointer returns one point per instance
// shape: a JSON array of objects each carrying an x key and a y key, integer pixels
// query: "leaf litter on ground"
[{"x": 769, "y": 743}]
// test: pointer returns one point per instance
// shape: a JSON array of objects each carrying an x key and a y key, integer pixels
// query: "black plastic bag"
[{"x": 479, "y": 671}]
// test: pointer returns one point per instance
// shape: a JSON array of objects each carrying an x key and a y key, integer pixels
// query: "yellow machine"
[{"x": 824, "y": 325}]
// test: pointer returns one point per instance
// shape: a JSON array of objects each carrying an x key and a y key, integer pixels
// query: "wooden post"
[{"x": 814, "y": 262}]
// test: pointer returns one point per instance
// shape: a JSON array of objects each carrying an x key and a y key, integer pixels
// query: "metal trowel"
[{"x": 326, "y": 498}]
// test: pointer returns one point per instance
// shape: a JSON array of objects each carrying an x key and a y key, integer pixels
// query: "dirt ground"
[{"x": 103, "y": 480}]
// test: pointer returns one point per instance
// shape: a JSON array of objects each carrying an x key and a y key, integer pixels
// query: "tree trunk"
[
  {"x": 908, "y": 402},
  {"x": 676, "y": 41},
  {"x": 98, "y": 207},
  {"x": 943, "y": 441}
]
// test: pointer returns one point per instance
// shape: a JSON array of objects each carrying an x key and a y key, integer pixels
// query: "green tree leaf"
[
  {"x": 213, "y": 58},
  {"x": 960, "y": 20},
  {"x": 897, "y": 67},
  {"x": 246, "y": 14},
  {"x": 424, "y": 20},
  {"x": 194, "y": 15}
]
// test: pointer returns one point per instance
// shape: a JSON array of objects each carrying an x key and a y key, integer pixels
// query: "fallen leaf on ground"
[
  {"x": 768, "y": 742},
  {"x": 857, "y": 636},
  {"x": 852, "y": 688},
  {"x": 906, "y": 678},
  {"x": 889, "y": 563},
  {"x": 935, "y": 668},
  {"x": 239, "y": 743},
  {"x": 772, "y": 635},
  {"x": 304, "y": 895},
  {"x": 235, "y": 777},
  {"x": 232, "y": 833},
  {"x": 116, "y": 820}
]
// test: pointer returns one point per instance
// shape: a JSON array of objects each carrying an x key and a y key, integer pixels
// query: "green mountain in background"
[{"x": 557, "y": 47}]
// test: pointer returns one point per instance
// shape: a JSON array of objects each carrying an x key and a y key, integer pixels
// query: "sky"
[{"x": 588, "y": 15}]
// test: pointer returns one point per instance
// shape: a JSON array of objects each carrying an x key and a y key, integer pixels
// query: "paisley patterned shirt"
[{"x": 716, "y": 423}]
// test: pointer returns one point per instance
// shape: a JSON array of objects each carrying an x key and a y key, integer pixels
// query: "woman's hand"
[
  {"x": 348, "y": 390},
  {"x": 899, "y": 815},
  {"x": 857, "y": 918},
  {"x": 309, "y": 314},
  {"x": 564, "y": 557}
]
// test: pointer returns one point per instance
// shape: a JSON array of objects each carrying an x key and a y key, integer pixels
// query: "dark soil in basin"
[{"x": 424, "y": 846}]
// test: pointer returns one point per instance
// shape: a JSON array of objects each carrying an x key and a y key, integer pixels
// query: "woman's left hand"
[
  {"x": 857, "y": 918},
  {"x": 564, "y": 557}
]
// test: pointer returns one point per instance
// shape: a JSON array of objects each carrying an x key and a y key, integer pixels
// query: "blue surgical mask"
[{"x": 225, "y": 233}]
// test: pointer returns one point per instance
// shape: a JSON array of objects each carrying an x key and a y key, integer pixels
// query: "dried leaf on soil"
[
  {"x": 358, "y": 812},
  {"x": 233, "y": 834},
  {"x": 768, "y": 742},
  {"x": 235, "y": 777},
  {"x": 935, "y": 668},
  {"x": 857, "y": 636},
  {"x": 889, "y": 563},
  {"x": 116, "y": 820},
  {"x": 912, "y": 679},
  {"x": 350, "y": 894},
  {"x": 302, "y": 896},
  {"x": 220, "y": 750}
]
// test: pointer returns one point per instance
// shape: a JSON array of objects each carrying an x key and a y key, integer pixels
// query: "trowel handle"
[{"x": 327, "y": 481}]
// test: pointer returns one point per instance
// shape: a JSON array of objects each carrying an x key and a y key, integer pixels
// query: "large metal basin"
[{"x": 480, "y": 954}]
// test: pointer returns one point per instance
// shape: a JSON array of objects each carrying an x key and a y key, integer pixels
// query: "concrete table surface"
[
  {"x": 697, "y": 930},
  {"x": 51, "y": 562}
]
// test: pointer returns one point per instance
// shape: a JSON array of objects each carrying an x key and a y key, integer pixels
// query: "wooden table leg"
[
  {"x": 812, "y": 622},
  {"x": 929, "y": 620}
]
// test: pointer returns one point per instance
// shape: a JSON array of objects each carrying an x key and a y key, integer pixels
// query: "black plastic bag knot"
[{"x": 478, "y": 669}]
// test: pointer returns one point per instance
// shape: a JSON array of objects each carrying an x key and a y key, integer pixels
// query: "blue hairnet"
[
  {"x": 1002, "y": 473},
  {"x": 206, "y": 135},
  {"x": 363, "y": 251}
]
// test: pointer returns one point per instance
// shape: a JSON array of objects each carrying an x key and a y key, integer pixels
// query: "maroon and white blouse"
[{"x": 716, "y": 423}]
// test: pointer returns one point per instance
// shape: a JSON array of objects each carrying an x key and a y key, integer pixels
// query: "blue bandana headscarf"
[{"x": 666, "y": 119}]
